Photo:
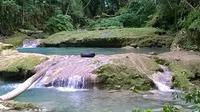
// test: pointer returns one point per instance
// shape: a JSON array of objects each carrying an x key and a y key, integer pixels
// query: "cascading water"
[
  {"x": 30, "y": 43},
  {"x": 163, "y": 80},
  {"x": 70, "y": 72}
]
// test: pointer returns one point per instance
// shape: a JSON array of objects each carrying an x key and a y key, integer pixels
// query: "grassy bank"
[{"x": 135, "y": 37}]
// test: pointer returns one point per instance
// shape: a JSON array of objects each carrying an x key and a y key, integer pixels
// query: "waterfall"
[
  {"x": 163, "y": 80},
  {"x": 30, "y": 43},
  {"x": 70, "y": 72}
]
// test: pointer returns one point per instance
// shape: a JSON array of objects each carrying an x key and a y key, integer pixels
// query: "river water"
[
  {"x": 78, "y": 50},
  {"x": 92, "y": 100}
]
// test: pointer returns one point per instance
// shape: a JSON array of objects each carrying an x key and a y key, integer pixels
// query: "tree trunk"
[{"x": 22, "y": 87}]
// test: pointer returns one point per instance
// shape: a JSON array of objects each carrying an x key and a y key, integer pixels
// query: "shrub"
[
  {"x": 192, "y": 22},
  {"x": 138, "y": 13},
  {"x": 9, "y": 17},
  {"x": 106, "y": 23},
  {"x": 59, "y": 23},
  {"x": 191, "y": 38},
  {"x": 194, "y": 97}
]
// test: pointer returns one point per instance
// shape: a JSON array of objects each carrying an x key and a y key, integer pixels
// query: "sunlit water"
[
  {"x": 78, "y": 50},
  {"x": 93, "y": 100}
]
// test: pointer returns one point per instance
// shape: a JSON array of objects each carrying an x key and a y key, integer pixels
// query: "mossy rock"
[
  {"x": 5, "y": 46},
  {"x": 121, "y": 77},
  {"x": 18, "y": 106},
  {"x": 185, "y": 68},
  {"x": 18, "y": 66},
  {"x": 16, "y": 39},
  {"x": 181, "y": 76},
  {"x": 127, "y": 71}
]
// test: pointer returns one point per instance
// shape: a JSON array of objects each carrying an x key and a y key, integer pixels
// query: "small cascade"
[
  {"x": 163, "y": 80},
  {"x": 70, "y": 72},
  {"x": 30, "y": 43}
]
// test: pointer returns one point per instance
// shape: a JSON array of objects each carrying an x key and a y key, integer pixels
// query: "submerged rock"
[{"x": 13, "y": 106}]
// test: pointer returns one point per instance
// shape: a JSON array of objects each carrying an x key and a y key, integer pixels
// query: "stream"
[
  {"x": 93, "y": 100},
  {"x": 62, "y": 99},
  {"x": 78, "y": 50}
]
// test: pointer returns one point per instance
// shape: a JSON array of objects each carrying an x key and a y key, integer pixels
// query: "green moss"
[
  {"x": 108, "y": 38},
  {"x": 18, "y": 67},
  {"x": 181, "y": 76},
  {"x": 118, "y": 76},
  {"x": 16, "y": 39},
  {"x": 25, "y": 63},
  {"x": 161, "y": 61},
  {"x": 5, "y": 46},
  {"x": 19, "y": 106}
]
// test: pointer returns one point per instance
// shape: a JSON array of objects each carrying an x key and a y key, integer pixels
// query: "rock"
[
  {"x": 185, "y": 68},
  {"x": 153, "y": 53},
  {"x": 13, "y": 106},
  {"x": 134, "y": 45},
  {"x": 113, "y": 91},
  {"x": 70, "y": 71},
  {"x": 126, "y": 73},
  {"x": 5, "y": 46},
  {"x": 127, "y": 47},
  {"x": 18, "y": 66}
]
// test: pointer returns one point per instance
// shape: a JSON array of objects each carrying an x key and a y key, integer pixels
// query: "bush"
[
  {"x": 135, "y": 15},
  {"x": 9, "y": 17},
  {"x": 106, "y": 23},
  {"x": 59, "y": 23},
  {"x": 138, "y": 13},
  {"x": 130, "y": 20},
  {"x": 194, "y": 97},
  {"x": 192, "y": 22},
  {"x": 191, "y": 38}
]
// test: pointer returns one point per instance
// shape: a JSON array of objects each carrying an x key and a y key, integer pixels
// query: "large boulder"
[{"x": 128, "y": 71}]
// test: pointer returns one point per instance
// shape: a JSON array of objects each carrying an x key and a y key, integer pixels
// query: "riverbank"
[{"x": 134, "y": 37}]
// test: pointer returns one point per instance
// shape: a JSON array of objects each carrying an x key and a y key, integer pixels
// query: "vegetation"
[
  {"x": 135, "y": 37},
  {"x": 5, "y": 46},
  {"x": 18, "y": 66},
  {"x": 59, "y": 23},
  {"x": 16, "y": 39},
  {"x": 52, "y": 16}
]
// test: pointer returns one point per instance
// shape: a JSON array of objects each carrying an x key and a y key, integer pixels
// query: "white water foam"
[{"x": 163, "y": 80}]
